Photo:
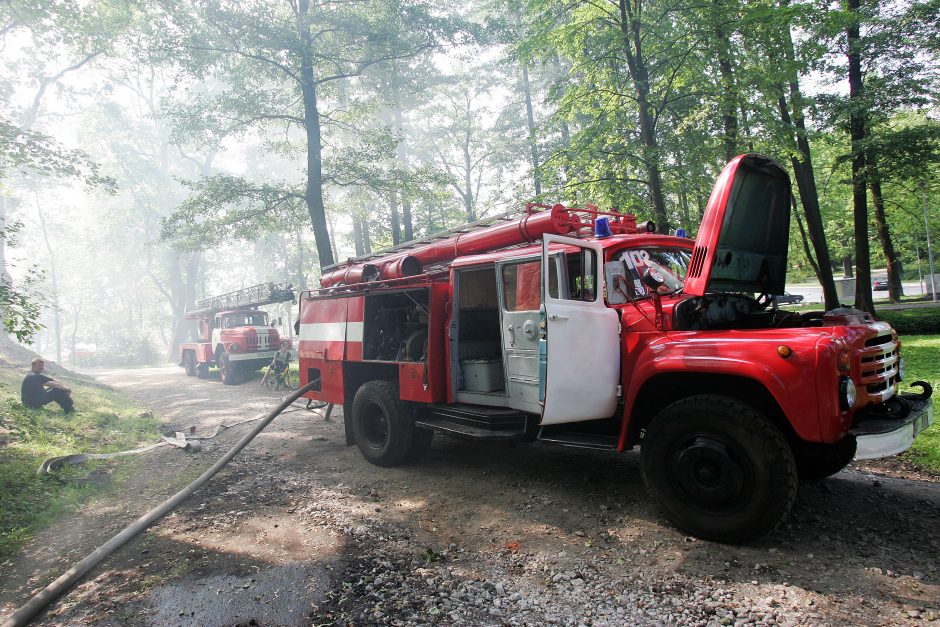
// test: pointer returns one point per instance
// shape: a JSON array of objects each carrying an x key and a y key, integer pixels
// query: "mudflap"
[{"x": 347, "y": 424}]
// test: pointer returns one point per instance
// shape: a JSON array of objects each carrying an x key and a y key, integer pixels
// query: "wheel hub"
[
  {"x": 708, "y": 472},
  {"x": 375, "y": 426}
]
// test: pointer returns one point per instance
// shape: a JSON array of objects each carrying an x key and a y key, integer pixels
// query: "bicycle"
[{"x": 288, "y": 380}]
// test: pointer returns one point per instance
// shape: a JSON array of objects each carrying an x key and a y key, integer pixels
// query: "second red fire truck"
[
  {"x": 234, "y": 335},
  {"x": 583, "y": 328}
]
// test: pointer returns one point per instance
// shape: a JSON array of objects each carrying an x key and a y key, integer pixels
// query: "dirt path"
[{"x": 299, "y": 529}]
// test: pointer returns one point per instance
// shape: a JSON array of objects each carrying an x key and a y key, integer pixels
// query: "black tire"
[
  {"x": 382, "y": 425},
  {"x": 290, "y": 380},
  {"x": 818, "y": 461},
  {"x": 202, "y": 371},
  {"x": 189, "y": 363},
  {"x": 719, "y": 469},
  {"x": 226, "y": 369},
  {"x": 269, "y": 381}
]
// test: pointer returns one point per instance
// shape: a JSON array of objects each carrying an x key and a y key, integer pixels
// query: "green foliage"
[
  {"x": 119, "y": 351},
  {"x": 920, "y": 353},
  {"x": 224, "y": 207},
  {"x": 21, "y": 307},
  {"x": 915, "y": 320},
  {"x": 41, "y": 154},
  {"x": 104, "y": 421}
]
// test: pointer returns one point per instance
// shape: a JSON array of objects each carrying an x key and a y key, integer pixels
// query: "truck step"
[
  {"x": 474, "y": 421},
  {"x": 581, "y": 440},
  {"x": 455, "y": 428},
  {"x": 479, "y": 416}
]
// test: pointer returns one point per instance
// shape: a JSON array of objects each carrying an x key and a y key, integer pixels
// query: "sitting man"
[
  {"x": 38, "y": 389},
  {"x": 281, "y": 363}
]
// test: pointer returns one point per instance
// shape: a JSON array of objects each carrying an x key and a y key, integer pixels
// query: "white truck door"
[
  {"x": 579, "y": 351},
  {"x": 519, "y": 285}
]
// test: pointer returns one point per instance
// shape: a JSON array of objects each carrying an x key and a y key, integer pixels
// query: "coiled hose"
[{"x": 60, "y": 586}]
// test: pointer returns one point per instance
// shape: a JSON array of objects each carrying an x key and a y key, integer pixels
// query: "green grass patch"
[
  {"x": 916, "y": 320},
  {"x": 104, "y": 421},
  {"x": 921, "y": 354}
]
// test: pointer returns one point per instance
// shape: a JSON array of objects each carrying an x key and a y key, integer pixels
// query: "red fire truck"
[
  {"x": 234, "y": 335},
  {"x": 583, "y": 328}
]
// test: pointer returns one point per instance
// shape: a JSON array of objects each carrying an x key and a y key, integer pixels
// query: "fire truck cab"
[{"x": 584, "y": 328}]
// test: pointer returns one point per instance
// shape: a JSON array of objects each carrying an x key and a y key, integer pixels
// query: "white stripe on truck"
[{"x": 331, "y": 332}]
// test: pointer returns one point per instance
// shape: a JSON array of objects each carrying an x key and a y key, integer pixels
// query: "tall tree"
[{"x": 287, "y": 59}]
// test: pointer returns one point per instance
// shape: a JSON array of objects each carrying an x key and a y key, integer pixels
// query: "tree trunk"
[
  {"x": 396, "y": 224},
  {"x": 357, "y": 236},
  {"x": 632, "y": 47},
  {"x": 892, "y": 259},
  {"x": 804, "y": 240},
  {"x": 57, "y": 323},
  {"x": 468, "y": 181},
  {"x": 848, "y": 266},
  {"x": 728, "y": 103},
  {"x": 401, "y": 152},
  {"x": 182, "y": 298},
  {"x": 78, "y": 310},
  {"x": 863, "y": 298},
  {"x": 314, "y": 191},
  {"x": 300, "y": 278},
  {"x": 532, "y": 137},
  {"x": 802, "y": 162}
]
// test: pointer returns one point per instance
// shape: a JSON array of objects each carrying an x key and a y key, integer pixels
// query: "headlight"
[
  {"x": 234, "y": 348},
  {"x": 847, "y": 394},
  {"x": 902, "y": 369}
]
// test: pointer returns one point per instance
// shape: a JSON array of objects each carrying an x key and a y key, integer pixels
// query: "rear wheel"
[
  {"x": 382, "y": 425},
  {"x": 189, "y": 363},
  {"x": 290, "y": 380},
  {"x": 818, "y": 461},
  {"x": 718, "y": 468}
]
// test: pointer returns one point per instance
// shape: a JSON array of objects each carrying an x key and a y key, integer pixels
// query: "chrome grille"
[{"x": 877, "y": 366}]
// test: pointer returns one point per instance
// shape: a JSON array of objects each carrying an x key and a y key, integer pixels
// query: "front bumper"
[
  {"x": 246, "y": 356},
  {"x": 890, "y": 428}
]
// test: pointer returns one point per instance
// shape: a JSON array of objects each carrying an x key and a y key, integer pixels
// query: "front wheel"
[
  {"x": 382, "y": 425},
  {"x": 227, "y": 369},
  {"x": 189, "y": 363},
  {"x": 718, "y": 468}
]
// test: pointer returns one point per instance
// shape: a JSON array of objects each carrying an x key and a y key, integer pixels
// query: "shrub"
[{"x": 914, "y": 321}]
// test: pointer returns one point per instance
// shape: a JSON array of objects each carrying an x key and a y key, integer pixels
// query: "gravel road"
[{"x": 299, "y": 530}]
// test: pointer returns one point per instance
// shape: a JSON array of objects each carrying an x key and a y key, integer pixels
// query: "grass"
[
  {"x": 104, "y": 421},
  {"x": 921, "y": 356}
]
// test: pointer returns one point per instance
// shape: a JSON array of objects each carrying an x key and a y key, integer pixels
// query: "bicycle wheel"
[
  {"x": 290, "y": 380},
  {"x": 270, "y": 379}
]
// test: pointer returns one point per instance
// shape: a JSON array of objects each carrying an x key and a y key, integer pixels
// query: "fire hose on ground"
[{"x": 60, "y": 586}]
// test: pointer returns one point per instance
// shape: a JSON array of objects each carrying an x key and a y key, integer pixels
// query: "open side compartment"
[
  {"x": 476, "y": 355},
  {"x": 395, "y": 326}
]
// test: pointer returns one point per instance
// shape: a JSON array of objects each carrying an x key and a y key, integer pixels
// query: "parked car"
[
  {"x": 880, "y": 285},
  {"x": 789, "y": 299}
]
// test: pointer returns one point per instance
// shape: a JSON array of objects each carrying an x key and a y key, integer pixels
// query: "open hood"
[{"x": 743, "y": 240}]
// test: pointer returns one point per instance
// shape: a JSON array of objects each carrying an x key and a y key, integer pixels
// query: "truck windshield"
[
  {"x": 630, "y": 264},
  {"x": 257, "y": 319}
]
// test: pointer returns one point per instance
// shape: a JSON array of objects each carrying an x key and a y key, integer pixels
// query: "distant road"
[{"x": 812, "y": 292}]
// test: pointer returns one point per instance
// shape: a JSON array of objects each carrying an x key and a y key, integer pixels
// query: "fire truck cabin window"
[
  {"x": 582, "y": 275},
  {"x": 252, "y": 319},
  {"x": 522, "y": 287},
  {"x": 672, "y": 263}
]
